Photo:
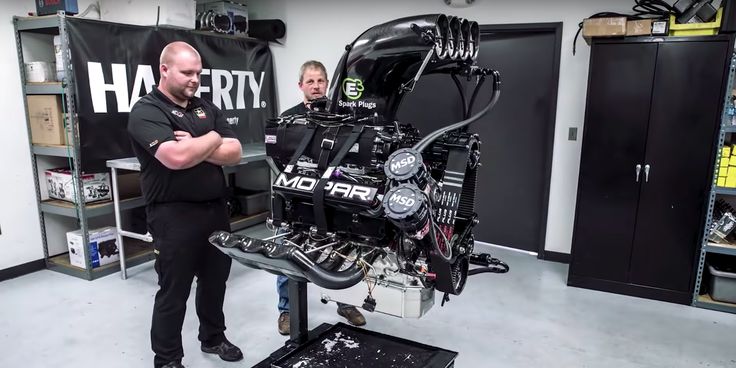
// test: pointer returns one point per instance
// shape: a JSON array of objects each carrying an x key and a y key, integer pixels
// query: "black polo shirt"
[
  {"x": 300, "y": 108},
  {"x": 152, "y": 121}
]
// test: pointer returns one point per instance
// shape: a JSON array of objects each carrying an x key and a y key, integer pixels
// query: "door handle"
[
  {"x": 638, "y": 170},
  {"x": 646, "y": 173}
]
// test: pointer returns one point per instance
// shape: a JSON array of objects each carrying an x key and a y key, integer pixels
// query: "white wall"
[
  {"x": 319, "y": 29},
  {"x": 20, "y": 241}
]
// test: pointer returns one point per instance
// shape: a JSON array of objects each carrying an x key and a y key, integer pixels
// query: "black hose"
[
  {"x": 475, "y": 94},
  {"x": 490, "y": 264},
  {"x": 462, "y": 95},
  {"x": 431, "y": 137},
  {"x": 504, "y": 268}
]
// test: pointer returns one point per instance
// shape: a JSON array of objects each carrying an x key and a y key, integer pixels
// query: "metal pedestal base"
[
  {"x": 336, "y": 345},
  {"x": 304, "y": 348}
]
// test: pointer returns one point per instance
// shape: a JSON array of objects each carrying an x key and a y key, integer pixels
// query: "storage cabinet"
[{"x": 652, "y": 116}]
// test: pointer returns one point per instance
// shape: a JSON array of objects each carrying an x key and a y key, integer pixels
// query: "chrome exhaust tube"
[
  {"x": 466, "y": 45},
  {"x": 333, "y": 280},
  {"x": 441, "y": 36},
  {"x": 474, "y": 40},
  {"x": 454, "y": 38}
]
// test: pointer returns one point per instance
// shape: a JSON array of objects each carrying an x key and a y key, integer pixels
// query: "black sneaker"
[
  {"x": 352, "y": 314},
  {"x": 173, "y": 365},
  {"x": 226, "y": 350},
  {"x": 284, "y": 323}
]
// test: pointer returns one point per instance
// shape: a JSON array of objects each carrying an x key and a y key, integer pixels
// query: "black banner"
[{"x": 116, "y": 64}]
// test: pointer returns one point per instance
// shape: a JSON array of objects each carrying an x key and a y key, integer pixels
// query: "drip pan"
[{"x": 345, "y": 346}]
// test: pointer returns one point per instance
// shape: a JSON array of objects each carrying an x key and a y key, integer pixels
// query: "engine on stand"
[{"x": 363, "y": 199}]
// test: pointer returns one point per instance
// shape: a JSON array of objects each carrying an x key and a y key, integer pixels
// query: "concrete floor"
[{"x": 526, "y": 318}]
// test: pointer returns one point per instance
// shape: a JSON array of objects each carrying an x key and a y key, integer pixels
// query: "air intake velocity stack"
[{"x": 378, "y": 68}]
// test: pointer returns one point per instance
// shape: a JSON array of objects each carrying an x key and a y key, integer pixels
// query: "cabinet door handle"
[
  {"x": 638, "y": 170},
  {"x": 646, "y": 173}
]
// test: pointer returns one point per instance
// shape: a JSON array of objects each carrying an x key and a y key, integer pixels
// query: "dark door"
[
  {"x": 680, "y": 154},
  {"x": 615, "y": 131},
  {"x": 517, "y": 135}
]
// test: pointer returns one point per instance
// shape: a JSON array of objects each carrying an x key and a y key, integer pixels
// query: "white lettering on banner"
[
  {"x": 143, "y": 74},
  {"x": 256, "y": 88},
  {"x": 98, "y": 87},
  {"x": 221, "y": 93},
  {"x": 202, "y": 89}
]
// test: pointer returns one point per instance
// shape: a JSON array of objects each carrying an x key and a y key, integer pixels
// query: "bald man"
[{"x": 182, "y": 142}]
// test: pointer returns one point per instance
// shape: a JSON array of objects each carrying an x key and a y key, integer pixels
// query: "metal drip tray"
[{"x": 344, "y": 346}]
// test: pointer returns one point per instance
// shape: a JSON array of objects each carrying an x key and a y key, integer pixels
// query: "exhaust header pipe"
[{"x": 333, "y": 280}]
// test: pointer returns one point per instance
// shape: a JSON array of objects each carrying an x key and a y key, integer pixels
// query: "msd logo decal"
[
  {"x": 401, "y": 163},
  {"x": 222, "y": 82},
  {"x": 402, "y": 200}
]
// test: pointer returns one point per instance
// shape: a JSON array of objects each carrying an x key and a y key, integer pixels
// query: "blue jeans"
[{"x": 282, "y": 286}]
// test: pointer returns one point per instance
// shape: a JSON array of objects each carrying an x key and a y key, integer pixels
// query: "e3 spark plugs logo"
[{"x": 352, "y": 88}]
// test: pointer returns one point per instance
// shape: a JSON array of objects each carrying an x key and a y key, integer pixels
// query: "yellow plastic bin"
[{"x": 696, "y": 29}]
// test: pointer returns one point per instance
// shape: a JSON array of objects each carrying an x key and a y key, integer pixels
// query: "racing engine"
[{"x": 361, "y": 196}]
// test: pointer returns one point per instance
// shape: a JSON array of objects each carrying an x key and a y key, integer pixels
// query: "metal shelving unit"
[
  {"x": 708, "y": 247},
  {"x": 58, "y": 151},
  {"x": 55, "y": 210},
  {"x": 53, "y": 88},
  {"x": 63, "y": 208}
]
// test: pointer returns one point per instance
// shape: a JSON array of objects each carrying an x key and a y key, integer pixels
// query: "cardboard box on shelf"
[
  {"x": 603, "y": 27},
  {"x": 46, "y": 119},
  {"x": 96, "y": 187},
  {"x": 53, "y": 6},
  {"x": 102, "y": 248},
  {"x": 639, "y": 27}
]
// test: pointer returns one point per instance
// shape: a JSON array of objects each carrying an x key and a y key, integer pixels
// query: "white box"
[
  {"x": 60, "y": 185},
  {"x": 102, "y": 248},
  {"x": 173, "y": 13}
]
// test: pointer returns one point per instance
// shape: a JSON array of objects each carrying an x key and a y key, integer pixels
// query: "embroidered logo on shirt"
[
  {"x": 270, "y": 139},
  {"x": 200, "y": 113},
  {"x": 153, "y": 143},
  {"x": 177, "y": 113}
]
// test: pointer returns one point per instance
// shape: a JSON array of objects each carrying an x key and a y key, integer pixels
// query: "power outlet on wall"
[{"x": 572, "y": 134}]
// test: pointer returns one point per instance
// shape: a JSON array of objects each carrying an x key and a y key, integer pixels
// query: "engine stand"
[{"x": 338, "y": 345}]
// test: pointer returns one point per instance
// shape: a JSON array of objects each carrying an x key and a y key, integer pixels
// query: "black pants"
[{"x": 180, "y": 232}]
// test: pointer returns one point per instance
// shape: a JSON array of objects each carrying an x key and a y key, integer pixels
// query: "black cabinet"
[{"x": 651, "y": 123}]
